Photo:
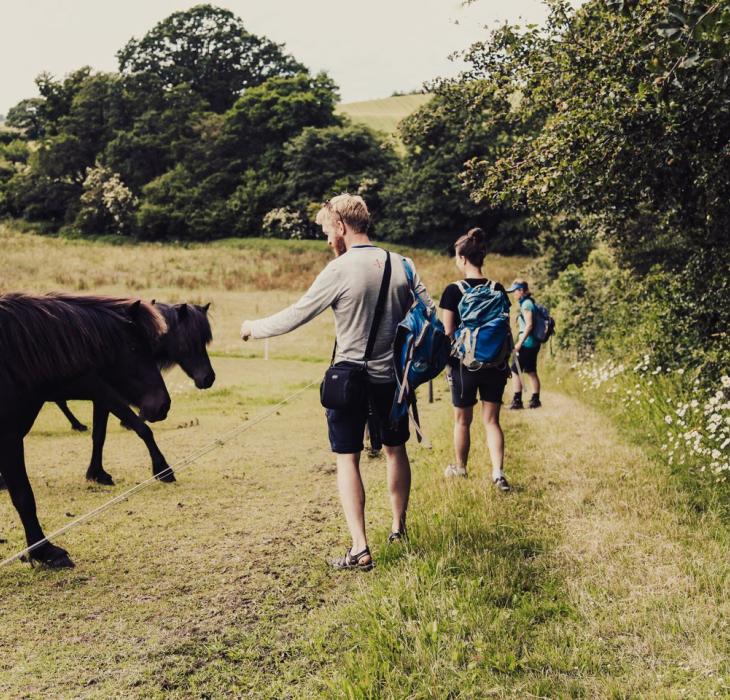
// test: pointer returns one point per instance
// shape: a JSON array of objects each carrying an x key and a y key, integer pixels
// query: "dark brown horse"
[
  {"x": 184, "y": 343},
  {"x": 57, "y": 347}
]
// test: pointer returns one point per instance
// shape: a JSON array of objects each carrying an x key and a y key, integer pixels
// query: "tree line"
[
  {"x": 619, "y": 151},
  {"x": 209, "y": 131}
]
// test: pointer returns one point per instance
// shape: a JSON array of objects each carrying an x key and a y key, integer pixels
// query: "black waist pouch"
[{"x": 344, "y": 385}]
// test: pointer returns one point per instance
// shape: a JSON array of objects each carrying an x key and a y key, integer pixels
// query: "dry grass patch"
[{"x": 40, "y": 263}]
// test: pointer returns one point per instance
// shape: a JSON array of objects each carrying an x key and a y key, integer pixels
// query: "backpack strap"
[
  {"x": 416, "y": 422},
  {"x": 410, "y": 276},
  {"x": 463, "y": 285},
  {"x": 379, "y": 307}
]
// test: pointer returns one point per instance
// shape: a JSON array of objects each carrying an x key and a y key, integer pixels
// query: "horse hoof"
[
  {"x": 166, "y": 475},
  {"x": 60, "y": 562},
  {"x": 80, "y": 428},
  {"x": 103, "y": 478},
  {"x": 53, "y": 557}
]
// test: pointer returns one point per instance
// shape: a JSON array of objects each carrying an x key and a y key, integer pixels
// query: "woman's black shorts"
[
  {"x": 528, "y": 359},
  {"x": 488, "y": 381}
]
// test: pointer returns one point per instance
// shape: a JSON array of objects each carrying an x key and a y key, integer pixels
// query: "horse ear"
[
  {"x": 182, "y": 310},
  {"x": 206, "y": 307},
  {"x": 153, "y": 302},
  {"x": 134, "y": 309}
]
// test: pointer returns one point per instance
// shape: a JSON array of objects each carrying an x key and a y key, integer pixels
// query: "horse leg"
[
  {"x": 12, "y": 464},
  {"x": 160, "y": 467},
  {"x": 76, "y": 424},
  {"x": 116, "y": 405},
  {"x": 96, "y": 472}
]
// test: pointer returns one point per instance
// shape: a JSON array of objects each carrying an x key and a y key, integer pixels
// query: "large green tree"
[
  {"x": 633, "y": 105},
  {"x": 635, "y": 109},
  {"x": 209, "y": 49},
  {"x": 233, "y": 172},
  {"x": 164, "y": 128},
  {"x": 426, "y": 201},
  {"x": 321, "y": 162}
]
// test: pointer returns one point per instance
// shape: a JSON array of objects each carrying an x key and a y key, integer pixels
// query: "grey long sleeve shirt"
[{"x": 350, "y": 285}]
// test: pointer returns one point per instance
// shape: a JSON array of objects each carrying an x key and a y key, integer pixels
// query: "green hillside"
[{"x": 383, "y": 115}]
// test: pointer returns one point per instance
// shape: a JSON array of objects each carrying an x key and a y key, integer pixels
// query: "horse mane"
[
  {"x": 44, "y": 338},
  {"x": 184, "y": 333}
]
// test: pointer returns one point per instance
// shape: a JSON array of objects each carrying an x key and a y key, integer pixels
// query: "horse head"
[{"x": 186, "y": 341}]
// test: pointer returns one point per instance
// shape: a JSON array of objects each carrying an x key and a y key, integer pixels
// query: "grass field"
[
  {"x": 384, "y": 114},
  {"x": 598, "y": 577}
]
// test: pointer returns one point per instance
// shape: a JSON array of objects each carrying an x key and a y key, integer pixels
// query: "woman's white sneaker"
[
  {"x": 502, "y": 484},
  {"x": 455, "y": 470}
]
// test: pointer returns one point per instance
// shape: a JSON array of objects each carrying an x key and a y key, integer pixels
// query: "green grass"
[
  {"x": 385, "y": 114},
  {"x": 598, "y": 577}
]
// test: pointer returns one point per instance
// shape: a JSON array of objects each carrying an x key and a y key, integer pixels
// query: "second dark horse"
[{"x": 184, "y": 343}]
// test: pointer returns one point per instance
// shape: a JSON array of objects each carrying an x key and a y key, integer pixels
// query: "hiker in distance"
[
  {"x": 369, "y": 293},
  {"x": 526, "y": 348},
  {"x": 471, "y": 309}
]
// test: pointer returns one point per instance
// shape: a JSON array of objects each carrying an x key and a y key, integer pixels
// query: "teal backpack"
[
  {"x": 543, "y": 324},
  {"x": 483, "y": 338},
  {"x": 420, "y": 352}
]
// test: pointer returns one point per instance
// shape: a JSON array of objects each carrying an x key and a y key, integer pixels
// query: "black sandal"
[
  {"x": 354, "y": 561},
  {"x": 397, "y": 536}
]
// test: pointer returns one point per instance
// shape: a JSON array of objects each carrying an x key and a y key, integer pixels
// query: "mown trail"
[{"x": 646, "y": 575}]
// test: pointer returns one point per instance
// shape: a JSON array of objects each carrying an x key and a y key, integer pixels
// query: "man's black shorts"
[
  {"x": 464, "y": 384},
  {"x": 528, "y": 359},
  {"x": 346, "y": 427}
]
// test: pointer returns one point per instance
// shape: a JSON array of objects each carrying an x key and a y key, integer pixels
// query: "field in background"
[
  {"x": 384, "y": 114},
  {"x": 244, "y": 278}
]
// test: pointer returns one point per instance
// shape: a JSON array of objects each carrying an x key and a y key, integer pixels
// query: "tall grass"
[
  {"x": 686, "y": 422},
  {"x": 457, "y": 612},
  {"x": 595, "y": 578}
]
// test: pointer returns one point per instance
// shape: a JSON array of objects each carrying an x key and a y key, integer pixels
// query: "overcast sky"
[{"x": 370, "y": 48}]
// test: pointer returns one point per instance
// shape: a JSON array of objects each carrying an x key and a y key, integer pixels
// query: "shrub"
[
  {"x": 107, "y": 205},
  {"x": 284, "y": 223},
  {"x": 681, "y": 319}
]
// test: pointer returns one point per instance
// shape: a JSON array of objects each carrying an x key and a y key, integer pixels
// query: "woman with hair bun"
[{"x": 489, "y": 382}]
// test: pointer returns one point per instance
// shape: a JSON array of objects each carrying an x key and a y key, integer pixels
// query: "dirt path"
[
  {"x": 625, "y": 592},
  {"x": 647, "y": 575}
]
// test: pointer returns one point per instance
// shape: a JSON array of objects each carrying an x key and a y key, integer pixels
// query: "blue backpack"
[
  {"x": 542, "y": 322},
  {"x": 483, "y": 338},
  {"x": 420, "y": 352}
]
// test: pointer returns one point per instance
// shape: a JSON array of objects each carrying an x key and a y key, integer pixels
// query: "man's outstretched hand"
[{"x": 246, "y": 330}]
